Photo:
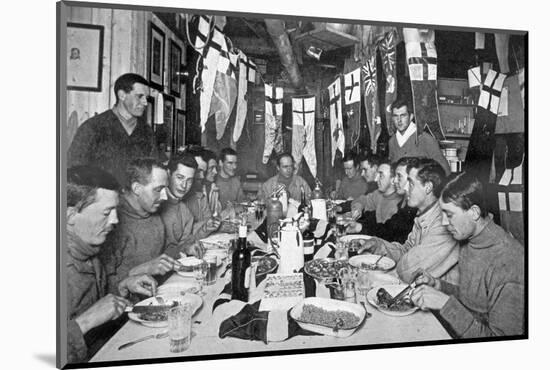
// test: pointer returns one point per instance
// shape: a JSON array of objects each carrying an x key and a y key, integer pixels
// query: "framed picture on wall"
[
  {"x": 84, "y": 56},
  {"x": 168, "y": 126},
  {"x": 180, "y": 129},
  {"x": 156, "y": 57},
  {"x": 174, "y": 69}
]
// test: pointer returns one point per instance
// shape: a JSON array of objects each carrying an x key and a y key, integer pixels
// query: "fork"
[{"x": 163, "y": 334}]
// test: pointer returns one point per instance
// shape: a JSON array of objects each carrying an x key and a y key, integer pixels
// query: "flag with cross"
[
  {"x": 336, "y": 124},
  {"x": 211, "y": 55},
  {"x": 482, "y": 142},
  {"x": 303, "y": 132},
  {"x": 225, "y": 87},
  {"x": 371, "y": 101},
  {"x": 250, "y": 68},
  {"x": 422, "y": 63},
  {"x": 273, "y": 121},
  {"x": 242, "y": 104},
  {"x": 204, "y": 29},
  {"x": 352, "y": 107}
]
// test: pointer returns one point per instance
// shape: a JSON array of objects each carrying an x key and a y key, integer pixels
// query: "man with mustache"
[
  {"x": 488, "y": 300},
  {"x": 399, "y": 225},
  {"x": 137, "y": 244},
  {"x": 110, "y": 140},
  {"x": 92, "y": 198}
]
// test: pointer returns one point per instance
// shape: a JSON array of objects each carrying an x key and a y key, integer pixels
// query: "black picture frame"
[
  {"x": 156, "y": 53},
  {"x": 180, "y": 133},
  {"x": 84, "y": 56},
  {"x": 169, "y": 115},
  {"x": 174, "y": 78}
]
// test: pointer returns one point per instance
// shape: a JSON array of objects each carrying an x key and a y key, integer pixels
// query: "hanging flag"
[
  {"x": 387, "y": 48},
  {"x": 352, "y": 93},
  {"x": 273, "y": 121},
  {"x": 371, "y": 101},
  {"x": 502, "y": 43},
  {"x": 250, "y": 68},
  {"x": 211, "y": 56},
  {"x": 203, "y": 30},
  {"x": 521, "y": 80},
  {"x": 336, "y": 123},
  {"x": 352, "y": 109},
  {"x": 303, "y": 132},
  {"x": 225, "y": 88},
  {"x": 242, "y": 105},
  {"x": 489, "y": 97},
  {"x": 422, "y": 62}
]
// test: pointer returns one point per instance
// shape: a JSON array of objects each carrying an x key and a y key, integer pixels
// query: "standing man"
[
  {"x": 353, "y": 185},
  {"x": 489, "y": 298},
  {"x": 112, "y": 139},
  {"x": 429, "y": 245},
  {"x": 137, "y": 244},
  {"x": 285, "y": 176},
  {"x": 227, "y": 180},
  {"x": 92, "y": 198},
  {"x": 408, "y": 143}
]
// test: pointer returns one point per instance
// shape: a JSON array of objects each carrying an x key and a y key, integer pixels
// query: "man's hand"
[
  {"x": 106, "y": 309},
  {"x": 424, "y": 278},
  {"x": 428, "y": 298},
  {"x": 368, "y": 245},
  {"x": 196, "y": 249},
  {"x": 158, "y": 266},
  {"x": 140, "y": 284},
  {"x": 212, "y": 225},
  {"x": 356, "y": 213},
  {"x": 354, "y": 227}
]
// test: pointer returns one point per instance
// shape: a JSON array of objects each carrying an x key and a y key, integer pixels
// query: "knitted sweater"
[
  {"x": 489, "y": 298},
  {"x": 178, "y": 226},
  {"x": 384, "y": 206},
  {"x": 394, "y": 229},
  {"x": 103, "y": 142},
  {"x": 423, "y": 146},
  {"x": 293, "y": 189},
  {"x": 230, "y": 190},
  {"x": 136, "y": 239},
  {"x": 429, "y": 246},
  {"x": 352, "y": 188}
]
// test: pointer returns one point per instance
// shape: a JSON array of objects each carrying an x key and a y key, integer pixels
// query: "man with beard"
[
  {"x": 488, "y": 300},
  {"x": 398, "y": 226},
  {"x": 182, "y": 227},
  {"x": 429, "y": 245},
  {"x": 92, "y": 198},
  {"x": 384, "y": 201},
  {"x": 112, "y": 139},
  {"x": 285, "y": 176},
  {"x": 137, "y": 244}
]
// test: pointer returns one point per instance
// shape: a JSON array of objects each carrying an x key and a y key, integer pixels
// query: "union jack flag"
[
  {"x": 387, "y": 50},
  {"x": 369, "y": 76}
]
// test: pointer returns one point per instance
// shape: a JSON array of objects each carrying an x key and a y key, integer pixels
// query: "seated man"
[
  {"x": 92, "y": 198},
  {"x": 285, "y": 176},
  {"x": 210, "y": 188},
  {"x": 369, "y": 167},
  {"x": 182, "y": 229},
  {"x": 489, "y": 298},
  {"x": 383, "y": 201},
  {"x": 136, "y": 245},
  {"x": 429, "y": 245},
  {"x": 398, "y": 226},
  {"x": 353, "y": 184},
  {"x": 227, "y": 180}
]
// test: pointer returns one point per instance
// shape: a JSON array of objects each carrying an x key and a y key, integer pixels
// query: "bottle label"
[
  {"x": 308, "y": 247},
  {"x": 242, "y": 231}
]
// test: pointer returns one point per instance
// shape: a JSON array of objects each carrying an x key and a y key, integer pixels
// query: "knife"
[
  {"x": 156, "y": 336},
  {"x": 404, "y": 292}
]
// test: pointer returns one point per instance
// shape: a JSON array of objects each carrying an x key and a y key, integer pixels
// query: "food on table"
[
  {"x": 384, "y": 299},
  {"x": 265, "y": 265},
  {"x": 278, "y": 286},
  {"x": 358, "y": 243},
  {"x": 325, "y": 268},
  {"x": 158, "y": 315},
  {"x": 319, "y": 316}
]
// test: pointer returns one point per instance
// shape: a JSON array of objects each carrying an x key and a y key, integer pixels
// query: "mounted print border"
[
  {"x": 156, "y": 53},
  {"x": 174, "y": 76},
  {"x": 85, "y": 57}
]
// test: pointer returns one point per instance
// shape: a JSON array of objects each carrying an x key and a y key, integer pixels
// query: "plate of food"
[
  {"x": 380, "y": 295},
  {"x": 369, "y": 261},
  {"x": 328, "y": 316},
  {"x": 151, "y": 313},
  {"x": 178, "y": 288},
  {"x": 266, "y": 264},
  {"x": 324, "y": 269}
]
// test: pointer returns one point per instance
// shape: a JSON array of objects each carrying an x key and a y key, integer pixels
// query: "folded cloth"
[{"x": 268, "y": 326}]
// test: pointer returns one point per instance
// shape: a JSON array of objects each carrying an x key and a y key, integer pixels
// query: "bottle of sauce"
[{"x": 240, "y": 263}]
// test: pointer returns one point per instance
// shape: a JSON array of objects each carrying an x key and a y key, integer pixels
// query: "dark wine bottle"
[
  {"x": 302, "y": 205},
  {"x": 309, "y": 239},
  {"x": 240, "y": 263}
]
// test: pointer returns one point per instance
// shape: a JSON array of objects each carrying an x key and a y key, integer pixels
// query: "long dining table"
[{"x": 378, "y": 329}]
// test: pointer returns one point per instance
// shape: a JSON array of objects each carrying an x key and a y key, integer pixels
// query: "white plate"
[
  {"x": 384, "y": 264},
  {"x": 393, "y": 290},
  {"x": 175, "y": 289},
  {"x": 349, "y": 238},
  {"x": 194, "y": 300},
  {"x": 329, "y": 305}
]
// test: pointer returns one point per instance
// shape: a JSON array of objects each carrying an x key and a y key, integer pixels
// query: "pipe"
[{"x": 276, "y": 30}]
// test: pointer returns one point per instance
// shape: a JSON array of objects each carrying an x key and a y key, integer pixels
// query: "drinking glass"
[
  {"x": 179, "y": 327},
  {"x": 363, "y": 283},
  {"x": 200, "y": 271},
  {"x": 341, "y": 252},
  {"x": 212, "y": 262}
]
